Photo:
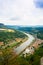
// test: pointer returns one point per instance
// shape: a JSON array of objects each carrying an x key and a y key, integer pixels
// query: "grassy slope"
[{"x": 8, "y": 36}]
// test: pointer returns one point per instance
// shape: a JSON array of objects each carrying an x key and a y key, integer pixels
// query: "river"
[{"x": 20, "y": 48}]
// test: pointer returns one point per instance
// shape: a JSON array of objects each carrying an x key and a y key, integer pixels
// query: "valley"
[{"x": 21, "y": 45}]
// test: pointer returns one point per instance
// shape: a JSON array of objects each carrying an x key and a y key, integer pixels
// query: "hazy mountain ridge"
[
  {"x": 22, "y": 28},
  {"x": 2, "y": 25}
]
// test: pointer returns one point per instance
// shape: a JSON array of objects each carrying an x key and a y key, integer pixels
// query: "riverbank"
[{"x": 20, "y": 48}]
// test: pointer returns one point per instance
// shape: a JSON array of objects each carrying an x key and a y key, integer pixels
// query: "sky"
[{"x": 21, "y": 12}]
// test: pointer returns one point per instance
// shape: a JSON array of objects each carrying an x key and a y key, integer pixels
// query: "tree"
[{"x": 6, "y": 54}]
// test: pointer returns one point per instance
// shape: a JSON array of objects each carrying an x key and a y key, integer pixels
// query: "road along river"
[{"x": 20, "y": 48}]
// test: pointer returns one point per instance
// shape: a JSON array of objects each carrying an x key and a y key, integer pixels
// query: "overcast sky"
[{"x": 21, "y": 12}]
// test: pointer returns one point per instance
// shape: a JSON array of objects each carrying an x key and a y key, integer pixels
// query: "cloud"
[
  {"x": 21, "y": 12},
  {"x": 14, "y": 18},
  {"x": 39, "y": 3}
]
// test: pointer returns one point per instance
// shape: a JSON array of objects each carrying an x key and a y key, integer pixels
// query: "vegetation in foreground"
[
  {"x": 9, "y": 59},
  {"x": 32, "y": 59}
]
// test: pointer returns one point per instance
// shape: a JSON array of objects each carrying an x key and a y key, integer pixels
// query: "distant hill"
[
  {"x": 30, "y": 29},
  {"x": 25, "y": 28},
  {"x": 2, "y": 25},
  {"x": 13, "y": 27}
]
